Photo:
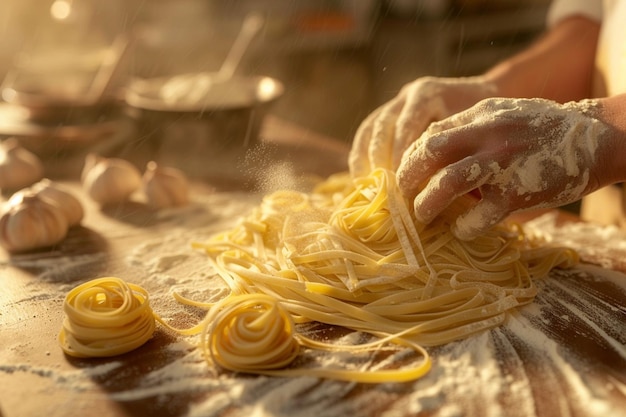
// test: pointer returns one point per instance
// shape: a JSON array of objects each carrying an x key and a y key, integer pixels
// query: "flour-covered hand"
[
  {"x": 383, "y": 137},
  {"x": 518, "y": 153}
]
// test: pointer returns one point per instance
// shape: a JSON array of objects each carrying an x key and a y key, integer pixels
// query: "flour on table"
[
  {"x": 603, "y": 245},
  {"x": 486, "y": 375}
]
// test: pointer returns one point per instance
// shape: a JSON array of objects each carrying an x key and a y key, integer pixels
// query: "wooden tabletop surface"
[{"x": 564, "y": 355}]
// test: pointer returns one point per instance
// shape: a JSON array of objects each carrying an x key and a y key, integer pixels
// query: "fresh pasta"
[
  {"x": 351, "y": 254},
  {"x": 242, "y": 326},
  {"x": 255, "y": 333},
  {"x": 105, "y": 317}
]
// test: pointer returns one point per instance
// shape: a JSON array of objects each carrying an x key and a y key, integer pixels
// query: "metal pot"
[{"x": 200, "y": 132}]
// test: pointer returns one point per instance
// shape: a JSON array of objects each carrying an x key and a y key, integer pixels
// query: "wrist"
[{"x": 612, "y": 112}]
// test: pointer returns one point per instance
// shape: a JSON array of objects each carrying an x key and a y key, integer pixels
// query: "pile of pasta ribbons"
[{"x": 351, "y": 254}]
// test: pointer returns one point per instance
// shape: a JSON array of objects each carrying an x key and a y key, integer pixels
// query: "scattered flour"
[
  {"x": 603, "y": 245},
  {"x": 502, "y": 372}
]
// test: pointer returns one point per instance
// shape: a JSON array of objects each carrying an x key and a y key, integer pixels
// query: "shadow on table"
[{"x": 83, "y": 253}]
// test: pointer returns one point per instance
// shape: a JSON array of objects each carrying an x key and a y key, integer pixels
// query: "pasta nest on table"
[{"x": 106, "y": 317}]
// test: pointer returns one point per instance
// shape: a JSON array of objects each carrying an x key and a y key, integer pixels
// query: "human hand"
[
  {"x": 518, "y": 153},
  {"x": 385, "y": 134}
]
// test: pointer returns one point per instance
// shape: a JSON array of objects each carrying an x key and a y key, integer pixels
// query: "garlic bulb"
[
  {"x": 56, "y": 194},
  {"x": 109, "y": 180},
  {"x": 165, "y": 187},
  {"x": 19, "y": 167},
  {"x": 33, "y": 223}
]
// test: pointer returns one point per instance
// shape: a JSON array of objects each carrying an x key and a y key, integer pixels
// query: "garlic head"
[
  {"x": 109, "y": 180},
  {"x": 19, "y": 167},
  {"x": 33, "y": 223},
  {"x": 56, "y": 194},
  {"x": 165, "y": 187}
]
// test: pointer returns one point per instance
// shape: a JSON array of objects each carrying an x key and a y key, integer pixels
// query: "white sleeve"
[{"x": 560, "y": 9}]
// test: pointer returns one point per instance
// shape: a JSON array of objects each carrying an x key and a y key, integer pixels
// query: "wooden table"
[{"x": 562, "y": 356}]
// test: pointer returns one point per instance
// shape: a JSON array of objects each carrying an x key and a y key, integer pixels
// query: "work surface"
[{"x": 562, "y": 355}]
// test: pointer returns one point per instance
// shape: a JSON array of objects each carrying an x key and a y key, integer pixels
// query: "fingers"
[
  {"x": 455, "y": 181},
  {"x": 447, "y": 163},
  {"x": 373, "y": 142},
  {"x": 416, "y": 115},
  {"x": 381, "y": 146},
  {"x": 428, "y": 155},
  {"x": 518, "y": 153},
  {"x": 443, "y": 143},
  {"x": 447, "y": 185},
  {"x": 358, "y": 159},
  {"x": 419, "y": 163},
  {"x": 384, "y": 135}
]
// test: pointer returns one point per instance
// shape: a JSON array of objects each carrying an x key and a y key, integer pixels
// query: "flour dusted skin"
[{"x": 519, "y": 154}]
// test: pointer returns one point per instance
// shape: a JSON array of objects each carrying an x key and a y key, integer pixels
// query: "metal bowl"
[
  {"x": 62, "y": 137},
  {"x": 199, "y": 126},
  {"x": 48, "y": 109},
  {"x": 201, "y": 93}
]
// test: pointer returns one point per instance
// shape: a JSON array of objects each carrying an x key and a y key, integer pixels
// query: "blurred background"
[
  {"x": 338, "y": 59},
  {"x": 145, "y": 80}
]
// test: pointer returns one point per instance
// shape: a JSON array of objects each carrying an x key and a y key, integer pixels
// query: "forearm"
[{"x": 559, "y": 66}]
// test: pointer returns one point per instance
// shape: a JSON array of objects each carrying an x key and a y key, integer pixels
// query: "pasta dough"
[
  {"x": 351, "y": 254},
  {"x": 105, "y": 317}
]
